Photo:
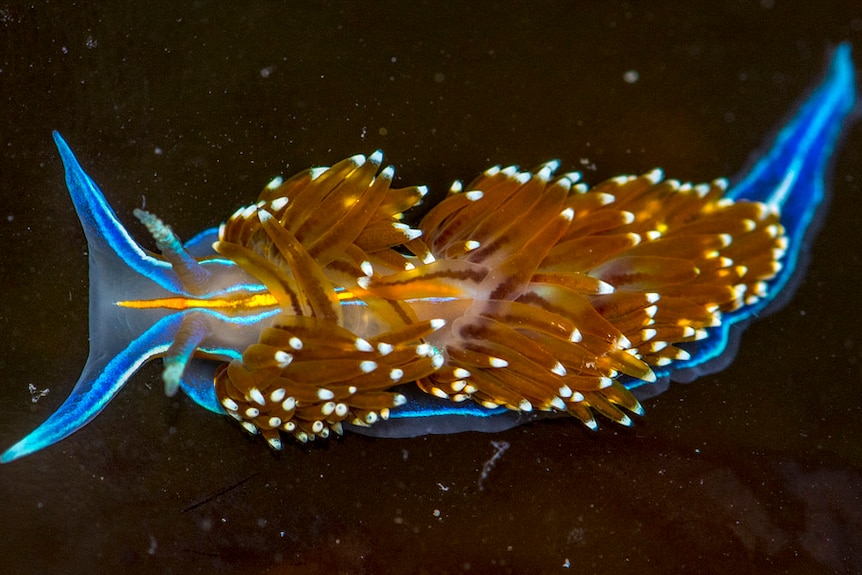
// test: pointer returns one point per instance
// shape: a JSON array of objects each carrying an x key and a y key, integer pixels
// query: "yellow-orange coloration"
[
  {"x": 240, "y": 303},
  {"x": 523, "y": 290},
  {"x": 237, "y": 303}
]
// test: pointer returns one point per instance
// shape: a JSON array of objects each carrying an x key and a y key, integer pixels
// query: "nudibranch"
[{"x": 525, "y": 293}]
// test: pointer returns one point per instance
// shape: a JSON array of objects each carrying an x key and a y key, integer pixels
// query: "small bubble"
[{"x": 631, "y": 76}]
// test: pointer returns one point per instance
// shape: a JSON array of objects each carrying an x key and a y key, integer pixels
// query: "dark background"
[{"x": 194, "y": 106}]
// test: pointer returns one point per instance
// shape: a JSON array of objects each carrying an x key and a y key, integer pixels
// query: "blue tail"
[{"x": 790, "y": 178}]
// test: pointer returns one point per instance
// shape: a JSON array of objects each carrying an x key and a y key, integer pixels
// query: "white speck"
[
  {"x": 631, "y": 76},
  {"x": 367, "y": 366},
  {"x": 36, "y": 395},
  {"x": 274, "y": 184},
  {"x": 274, "y": 442},
  {"x": 384, "y": 348},
  {"x": 282, "y": 358},
  {"x": 437, "y": 361},
  {"x": 317, "y": 172},
  {"x": 256, "y": 396},
  {"x": 413, "y": 234}
]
